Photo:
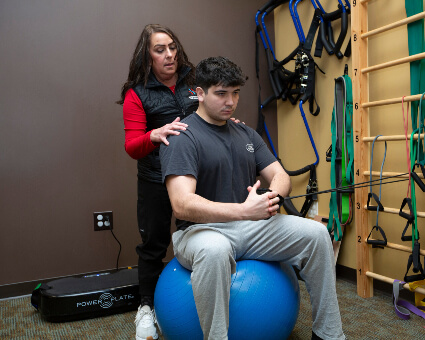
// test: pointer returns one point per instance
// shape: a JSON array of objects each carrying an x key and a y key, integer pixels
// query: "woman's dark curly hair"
[{"x": 140, "y": 65}]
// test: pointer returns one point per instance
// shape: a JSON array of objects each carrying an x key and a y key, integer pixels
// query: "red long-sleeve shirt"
[{"x": 138, "y": 142}]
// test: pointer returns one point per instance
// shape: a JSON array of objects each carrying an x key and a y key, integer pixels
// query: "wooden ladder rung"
[
  {"x": 391, "y": 101},
  {"x": 400, "y": 247},
  {"x": 395, "y": 62},
  {"x": 396, "y": 211},
  {"x": 393, "y": 25},
  {"x": 391, "y": 281},
  {"x": 392, "y": 138},
  {"x": 390, "y": 174}
]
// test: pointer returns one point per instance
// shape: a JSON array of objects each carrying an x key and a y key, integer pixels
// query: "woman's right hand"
[{"x": 160, "y": 135}]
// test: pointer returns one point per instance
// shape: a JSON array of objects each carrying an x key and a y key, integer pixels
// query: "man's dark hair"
[{"x": 215, "y": 71}]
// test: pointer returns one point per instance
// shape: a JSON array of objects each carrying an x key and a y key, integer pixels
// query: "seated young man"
[{"x": 210, "y": 172}]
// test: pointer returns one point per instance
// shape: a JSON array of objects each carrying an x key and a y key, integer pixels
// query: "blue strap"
[{"x": 309, "y": 133}]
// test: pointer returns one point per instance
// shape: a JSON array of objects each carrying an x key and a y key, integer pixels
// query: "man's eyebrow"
[{"x": 225, "y": 91}]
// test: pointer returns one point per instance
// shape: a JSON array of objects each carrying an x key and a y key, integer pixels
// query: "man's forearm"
[
  {"x": 281, "y": 183},
  {"x": 197, "y": 209},
  {"x": 189, "y": 206}
]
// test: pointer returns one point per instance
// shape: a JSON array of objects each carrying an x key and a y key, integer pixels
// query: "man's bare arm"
[
  {"x": 191, "y": 207},
  {"x": 278, "y": 178}
]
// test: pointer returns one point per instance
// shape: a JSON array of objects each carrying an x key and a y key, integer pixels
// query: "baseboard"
[
  {"x": 346, "y": 273},
  {"x": 18, "y": 289},
  {"x": 342, "y": 272},
  {"x": 350, "y": 274}
]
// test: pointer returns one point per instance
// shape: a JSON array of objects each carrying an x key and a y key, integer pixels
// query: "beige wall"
[
  {"x": 294, "y": 144},
  {"x": 387, "y": 120}
]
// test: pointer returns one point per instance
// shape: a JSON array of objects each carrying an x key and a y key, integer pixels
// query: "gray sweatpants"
[{"x": 210, "y": 251}]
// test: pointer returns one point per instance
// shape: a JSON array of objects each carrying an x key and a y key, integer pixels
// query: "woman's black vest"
[{"x": 162, "y": 107}]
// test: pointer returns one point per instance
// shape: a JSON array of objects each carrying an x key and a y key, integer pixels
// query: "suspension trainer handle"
[
  {"x": 342, "y": 34},
  {"x": 272, "y": 3},
  {"x": 326, "y": 31}
]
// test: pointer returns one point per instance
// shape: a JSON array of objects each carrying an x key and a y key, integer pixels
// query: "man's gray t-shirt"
[{"x": 225, "y": 160}]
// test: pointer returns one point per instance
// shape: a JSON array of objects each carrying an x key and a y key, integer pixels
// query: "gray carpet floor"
[{"x": 372, "y": 318}]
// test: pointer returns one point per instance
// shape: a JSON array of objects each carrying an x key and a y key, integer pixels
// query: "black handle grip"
[
  {"x": 268, "y": 4},
  {"x": 405, "y": 237},
  {"x": 377, "y": 242},
  {"x": 413, "y": 278},
  {"x": 300, "y": 171},
  {"x": 418, "y": 181},
  {"x": 342, "y": 34},
  {"x": 372, "y": 207},
  {"x": 410, "y": 217},
  {"x": 268, "y": 101},
  {"x": 325, "y": 42},
  {"x": 331, "y": 16}
]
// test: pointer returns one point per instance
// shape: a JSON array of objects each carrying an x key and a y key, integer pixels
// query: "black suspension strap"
[
  {"x": 292, "y": 86},
  {"x": 326, "y": 35},
  {"x": 300, "y": 84}
]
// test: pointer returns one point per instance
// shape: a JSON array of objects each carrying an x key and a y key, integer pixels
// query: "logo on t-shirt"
[
  {"x": 195, "y": 97},
  {"x": 250, "y": 147}
]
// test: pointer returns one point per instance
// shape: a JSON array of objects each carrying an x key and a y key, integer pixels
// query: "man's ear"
[{"x": 200, "y": 93}]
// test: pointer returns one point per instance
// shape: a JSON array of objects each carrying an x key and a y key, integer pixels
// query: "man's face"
[{"x": 219, "y": 103}]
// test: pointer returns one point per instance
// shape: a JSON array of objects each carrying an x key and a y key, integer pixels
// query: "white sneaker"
[{"x": 145, "y": 324}]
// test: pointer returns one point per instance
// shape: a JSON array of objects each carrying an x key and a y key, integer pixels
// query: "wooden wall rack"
[{"x": 361, "y": 103}]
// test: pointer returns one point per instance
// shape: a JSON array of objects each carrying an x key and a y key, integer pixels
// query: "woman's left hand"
[
  {"x": 161, "y": 134},
  {"x": 236, "y": 120}
]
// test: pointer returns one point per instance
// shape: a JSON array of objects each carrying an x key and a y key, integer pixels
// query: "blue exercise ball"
[{"x": 264, "y": 301}]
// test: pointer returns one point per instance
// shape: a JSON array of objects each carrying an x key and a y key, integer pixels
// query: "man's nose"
[{"x": 229, "y": 101}]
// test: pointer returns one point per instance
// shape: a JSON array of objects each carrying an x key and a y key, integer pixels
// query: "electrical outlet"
[{"x": 102, "y": 220}]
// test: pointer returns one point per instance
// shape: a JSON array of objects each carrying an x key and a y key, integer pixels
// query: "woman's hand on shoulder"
[
  {"x": 160, "y": 135},
  {"x": 236, "y": 120}
]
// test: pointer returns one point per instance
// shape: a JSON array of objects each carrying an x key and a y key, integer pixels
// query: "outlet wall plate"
[{"x": 103, "y": 220}]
